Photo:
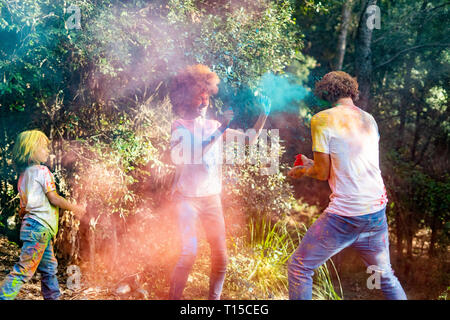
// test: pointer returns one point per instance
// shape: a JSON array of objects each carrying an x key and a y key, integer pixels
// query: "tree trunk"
[
  {"x": 114, "y": 241},
  {"x": 3, "y": 191},
  {"x": 404, "y": 102},
  {"x": 399, "y": 235},
  {"x": 417, "y": 132},
  {"x": 342, "y": 40},
  {"x": 363, "y": 60},
  {"x": 433, "y": 235},
  {"x": 92, "y": 249},
  {"x": 409, "y": 251}
]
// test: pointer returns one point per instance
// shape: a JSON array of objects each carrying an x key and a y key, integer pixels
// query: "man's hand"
[{"x": 299, "y": 171}]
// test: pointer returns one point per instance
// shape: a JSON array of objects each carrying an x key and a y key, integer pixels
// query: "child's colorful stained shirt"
[
  {"x": 33, "y": 185},
  {"x": 196, "y": 175},
  {"x": 350, "y": 136}
]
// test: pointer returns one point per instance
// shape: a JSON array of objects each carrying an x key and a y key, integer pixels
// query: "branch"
[
  {"x": 437, "y": 7},
  {"x": 388, "y": 118},
  {"x": 410, "y": 49},
  {"x": 432, "y": 134},
  {"x": 400, "y": 24}
]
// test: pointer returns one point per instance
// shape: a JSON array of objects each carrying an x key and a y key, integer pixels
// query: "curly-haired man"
[
  {"x": 198, "y": 184},
  {"x": 345, "y": 144}
]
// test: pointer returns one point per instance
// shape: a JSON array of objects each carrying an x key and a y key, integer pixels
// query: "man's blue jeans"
[
  {"x": 36, "y": 254},
  {"x": 331, "y": 233},
  {"x": 209, "y": 211}
]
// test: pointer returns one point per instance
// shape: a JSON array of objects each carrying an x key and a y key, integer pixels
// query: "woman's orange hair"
[{"x": 192, "y": 81}]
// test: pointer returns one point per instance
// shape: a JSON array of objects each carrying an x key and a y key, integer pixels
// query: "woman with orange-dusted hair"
[{"x": 198, "y": 183}]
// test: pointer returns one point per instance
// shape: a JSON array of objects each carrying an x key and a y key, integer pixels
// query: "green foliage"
[
  {"x": 422, "y": 193},
  {"x": 269, "y": 248},
  {"x": 422, "y": 200},
  {"x": 112, "y": 164},
  {"x": 99, "y": 92},
  {"x": 444, "y": 295},
  {"x": 259, "y": 194},
  {"x": 32, "y": 52},
  {"x": 130, "y": 44},
  {"x": 90, "y": 90}
]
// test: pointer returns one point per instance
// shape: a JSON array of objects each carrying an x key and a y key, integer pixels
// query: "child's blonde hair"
[{"x": 25, "y": 146}]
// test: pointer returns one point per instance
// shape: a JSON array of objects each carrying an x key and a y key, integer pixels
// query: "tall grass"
[
  {"x": 272, "y": 245},
  {"x": 323, "y": 288}
]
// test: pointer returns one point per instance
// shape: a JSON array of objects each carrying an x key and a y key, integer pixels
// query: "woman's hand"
[
  {"x": 228, "y": 116},
  {"x": 266, "y": 104}
]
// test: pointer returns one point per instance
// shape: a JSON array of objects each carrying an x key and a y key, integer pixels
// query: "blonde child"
[{"x": 39, "y": 207}]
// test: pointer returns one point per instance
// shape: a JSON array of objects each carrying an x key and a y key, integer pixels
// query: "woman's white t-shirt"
[{"x": 197, "y": 175}]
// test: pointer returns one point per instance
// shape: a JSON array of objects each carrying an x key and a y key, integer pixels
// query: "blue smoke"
[{"x": 279, "y": 93}]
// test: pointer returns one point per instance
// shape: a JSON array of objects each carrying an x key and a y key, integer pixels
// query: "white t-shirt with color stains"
[
  {"x": 196, "y": 175},
  {"x": 350, "y": 136},
  {"x": 33, "y": 185}
]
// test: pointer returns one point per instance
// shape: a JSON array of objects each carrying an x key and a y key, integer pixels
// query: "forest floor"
[{"x": 154, "y": 284}]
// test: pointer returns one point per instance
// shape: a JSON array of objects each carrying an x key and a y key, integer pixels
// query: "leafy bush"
[
  {"x": 417, "y": 201},
  {"x": 118, "y": 169},
  {"x": 259, "y": 194}
]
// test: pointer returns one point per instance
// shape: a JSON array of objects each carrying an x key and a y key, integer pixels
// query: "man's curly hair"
[
  {"x": 192, "y": 81},
  {"x": 335, "y": 85}
]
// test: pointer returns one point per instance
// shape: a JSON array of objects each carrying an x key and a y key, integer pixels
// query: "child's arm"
[{"x": 58, "y": 201}]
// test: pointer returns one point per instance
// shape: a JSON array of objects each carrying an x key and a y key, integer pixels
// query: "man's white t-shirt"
[
  {"x": 350, "y": 136},
  {"x": 196, "y": 175},
  {"x": 33, "y": 185}
]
